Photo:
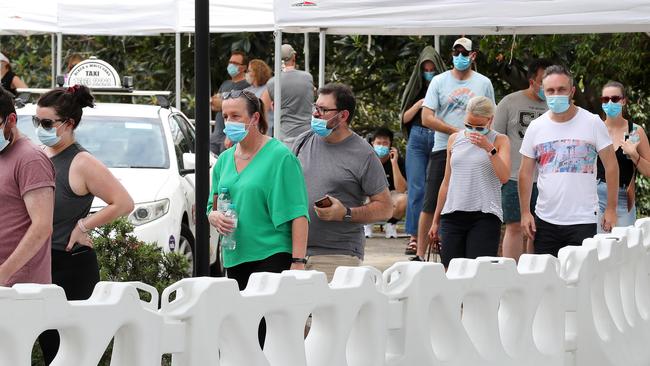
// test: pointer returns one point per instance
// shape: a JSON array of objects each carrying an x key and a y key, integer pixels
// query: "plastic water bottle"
[
  {"x": 633, "y": 138},
  {"x": 228, "y": 241},
  {"x": 223, "y": 201}
]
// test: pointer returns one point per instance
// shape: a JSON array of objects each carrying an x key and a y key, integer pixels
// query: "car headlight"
[{"x": 149, "y": 211}]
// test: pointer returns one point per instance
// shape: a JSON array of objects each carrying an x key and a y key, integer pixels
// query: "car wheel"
[{"x": 186, "y": 247}]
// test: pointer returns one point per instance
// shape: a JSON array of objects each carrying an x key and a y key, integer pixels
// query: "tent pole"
[
  {"x": 202, "y": 82},
  {"x": 178, "y": 70},
  {"x": 59, "y": 47},
  {"x": 436, "y": 42},
  {"x": 321, "y": 59},
  {"x": 53, "y": 63},
  {"x": 306, "y": 51},
  {"x": 277, "y": 91}
]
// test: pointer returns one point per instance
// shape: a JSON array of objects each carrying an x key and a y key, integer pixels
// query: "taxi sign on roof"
[{"x": 94, "y": 73}]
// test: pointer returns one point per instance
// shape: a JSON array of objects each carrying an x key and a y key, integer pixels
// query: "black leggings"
[
  {"x": 468, "y": 235},
  {"x": 77, "y": 273},
  {"x": 242, "y": 272}
]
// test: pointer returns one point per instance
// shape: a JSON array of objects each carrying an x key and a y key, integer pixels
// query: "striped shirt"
[{"x": 473, "y": 185}]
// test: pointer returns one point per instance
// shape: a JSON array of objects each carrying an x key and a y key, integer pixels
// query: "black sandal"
[{"x": 411, "y": 247}]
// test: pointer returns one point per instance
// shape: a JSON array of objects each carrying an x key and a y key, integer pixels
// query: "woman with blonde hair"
[{"x": 468, "y": 216}]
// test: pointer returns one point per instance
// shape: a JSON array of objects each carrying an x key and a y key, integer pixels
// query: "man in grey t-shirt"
[
  {"x": 340, "y": 165},
  {"x": 297, "y": 97},
  {"x": 514, "y": 114}
]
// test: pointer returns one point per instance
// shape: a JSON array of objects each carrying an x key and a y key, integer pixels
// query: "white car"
[{"x": 150, "y": 149}]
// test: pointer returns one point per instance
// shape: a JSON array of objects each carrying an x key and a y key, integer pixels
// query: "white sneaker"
[
  {"x": 367, "y": 230},
  {"x": 390, "y": 230}
]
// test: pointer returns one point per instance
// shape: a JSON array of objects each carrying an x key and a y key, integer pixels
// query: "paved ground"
[{"x": 381, "y": 253}]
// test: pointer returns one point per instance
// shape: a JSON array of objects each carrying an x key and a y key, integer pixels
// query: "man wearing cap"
[
  {"x": 9, "y": 80},
  {"x": 237, "y": 71},
  {"x": 297, "y": 97},
  {"x": 444, "y": 112}
]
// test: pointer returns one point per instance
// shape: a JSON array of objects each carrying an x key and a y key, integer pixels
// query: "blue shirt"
[{"x": 448, "y": 98}]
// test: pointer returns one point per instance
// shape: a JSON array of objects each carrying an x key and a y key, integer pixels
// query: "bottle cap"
[{"x": 224, "y": 190}]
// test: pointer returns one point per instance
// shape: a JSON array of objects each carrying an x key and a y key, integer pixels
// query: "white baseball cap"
[
  {"x": 4, "y": 58},
  {"x": 465, "y": 42}
]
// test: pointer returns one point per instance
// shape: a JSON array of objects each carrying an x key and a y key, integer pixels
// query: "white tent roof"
[
  {"x": 420, "y": 17},
  {"x": 28, "y": 16},
  {"x": 230, "y": 16}
]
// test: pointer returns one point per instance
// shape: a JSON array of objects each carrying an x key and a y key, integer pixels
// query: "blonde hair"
[{"x": 480, "y": 107}]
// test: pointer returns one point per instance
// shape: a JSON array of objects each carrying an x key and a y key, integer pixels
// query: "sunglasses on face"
[
  {"x": 614, "y": 99},
  {"x": 476, "y": 128},
  {"x": 459, "y": 52},
  {"x": 46, "y": 122},
  {"x": 321, "y": 110}
]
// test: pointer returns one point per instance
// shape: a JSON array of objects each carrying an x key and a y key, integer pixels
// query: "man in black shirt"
[{"x": 382, "y": 142}]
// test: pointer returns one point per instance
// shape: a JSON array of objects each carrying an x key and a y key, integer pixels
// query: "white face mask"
[
  {"x": 249, "y": 78},
  {"x": 3, "y": 141}
]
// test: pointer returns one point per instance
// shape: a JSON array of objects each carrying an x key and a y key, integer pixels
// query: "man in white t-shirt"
[{"x": 563, "y": 144}]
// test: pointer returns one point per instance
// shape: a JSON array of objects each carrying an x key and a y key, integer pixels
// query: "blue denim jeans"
[
  {"x": 418, "y": 149},
  {"x": 623, "y": 216}
]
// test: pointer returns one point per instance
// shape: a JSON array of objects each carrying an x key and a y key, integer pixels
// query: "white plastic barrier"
[{"x": 589, "y": 307}]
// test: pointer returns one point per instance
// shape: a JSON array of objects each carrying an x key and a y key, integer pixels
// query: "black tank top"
[
  {"x": 625, "y": 165},
  {"x": 68, "y": 207},
  {"x": 6, "y": 82}
]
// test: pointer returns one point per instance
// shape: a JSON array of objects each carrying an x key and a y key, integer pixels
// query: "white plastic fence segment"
[{"x": 590, "y": 306}]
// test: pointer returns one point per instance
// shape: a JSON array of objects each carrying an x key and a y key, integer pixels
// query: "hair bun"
[{"x": 82, "y": 94}]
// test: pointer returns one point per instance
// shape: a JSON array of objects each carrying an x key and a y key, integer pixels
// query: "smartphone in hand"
[{"x": 323, "y": 202}]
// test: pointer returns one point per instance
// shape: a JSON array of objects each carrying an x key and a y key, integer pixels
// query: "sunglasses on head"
[
  {"x": 476, "y": 128},
  {"x": 459, "y": 52},
  {"x": 46, "y": 122},
  {"x": 614, "y": 99},
  {"x": 234, "y": 94}
]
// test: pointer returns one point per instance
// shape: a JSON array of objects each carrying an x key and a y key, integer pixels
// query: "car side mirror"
[{"x": 189, "y": 161}]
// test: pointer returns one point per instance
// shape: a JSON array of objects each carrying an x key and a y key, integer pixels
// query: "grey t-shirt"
[
  {"x": 514, "y": 114},
  {"x": 217, "y": 136},
  {"x": 348, "y": 171},
  {"x": 297, "y": 99}
]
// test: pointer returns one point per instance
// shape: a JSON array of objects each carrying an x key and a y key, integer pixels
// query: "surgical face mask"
[
  {"x": 461, "y": 62},
  {"x": 540, "y": 93},
  {"x": 48, "y": 137},
  {"x": 319, "y": 126},
  {"x": 612, "y": 109},
  {"x": 3, "y": 141},
  {"x": 381, "y": 150},
  {"x": 558, "y": 103},
  {"x": 232, "y": 70},
  {"x": 428, "y": 75},
  {"x": 235, "y": 131}
]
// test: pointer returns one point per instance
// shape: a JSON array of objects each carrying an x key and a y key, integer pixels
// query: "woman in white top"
[{"x": 468, "y": 216}]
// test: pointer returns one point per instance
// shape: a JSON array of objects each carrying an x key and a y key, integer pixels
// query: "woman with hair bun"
[{"x": 79, "y": 178}]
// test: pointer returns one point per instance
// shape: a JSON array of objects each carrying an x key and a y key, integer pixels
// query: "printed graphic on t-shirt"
[
  {"x": 525, "y": 118},
  {"x": 566, "y": 156},
  {"x": 458, "y": 99}
]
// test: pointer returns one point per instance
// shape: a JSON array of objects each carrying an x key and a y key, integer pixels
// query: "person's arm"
[
  {"x": 608, "y": 158},
  {"x": 431, "y": 121},
  {"x": 268, "y": 103},
  {"x": 100, "y": 182},
  {"x": 444, "y": 188},
  {"x": 525, "y": 185},
  {"x": 398, "y": 177},
  {"x": 40, "y": 207},
  {"x": 639, "y": 152},
  {"x": 380, "y": 208},
  {"x": 215, "y": 102},
  {"x": 18, "y": 83},
  {"x": 410, "y": 113},
  {"x": 299, "y": 230},
  {"x": 501, "y": 160}
]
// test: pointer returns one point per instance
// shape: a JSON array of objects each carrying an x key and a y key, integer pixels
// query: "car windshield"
[{"x": 118, "y": 142}]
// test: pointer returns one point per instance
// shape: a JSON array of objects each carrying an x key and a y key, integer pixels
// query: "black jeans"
[
  {"x": 468, "y": 235},
  {"x": 77, "y": 273},
  {"x": 550, "y": 238},
  {"x": 242, "y": 272},
  {"x": 435, "y": 176}
]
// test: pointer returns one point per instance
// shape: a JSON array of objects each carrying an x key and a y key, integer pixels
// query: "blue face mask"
[
  {"x": 48, "y": 136},
  {"x": 612, "y": 109},
  {"x": 428, "y": 75},
  {"x": 232, "y": 70},
  {"x": 381, "y": 150},
  {"x": 461, "y": 62},
  {"x": 235, "y": 131},
  {"x": 540, "y": 93},
  {"x": 319, "y": 126},
  {"x": 558, "y": 103}
]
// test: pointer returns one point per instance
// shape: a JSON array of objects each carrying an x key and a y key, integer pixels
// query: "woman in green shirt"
[{"x": 266, "y": 184}]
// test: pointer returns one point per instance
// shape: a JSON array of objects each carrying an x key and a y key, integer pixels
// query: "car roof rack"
[{"x": 162, "y": 96}]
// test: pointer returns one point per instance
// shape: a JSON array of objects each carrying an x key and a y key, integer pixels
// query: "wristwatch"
[
  {"x": 493, "y": 151},
  {"x": 348, "y": 215},
  {"x": 299, "y": 260}
]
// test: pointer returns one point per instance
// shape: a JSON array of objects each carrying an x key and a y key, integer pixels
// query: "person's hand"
[
  {"x": 433, "y": 232},
  {"x": 333, "y": 213},
  {"x": 500, "y": 57},
  {"x": 224, "y": 225},
  {"x": 227, "y": 144},
  {"x": 78, "y": 237},
  {"x": 480, "y": 141},
  {"x": 528, "y": 225},
  {"x": 630, "y": 148},
  {"x": 609, "y": 219},
  {"x": 297, "y": 266},
  {"x": 394, "y": 155}
]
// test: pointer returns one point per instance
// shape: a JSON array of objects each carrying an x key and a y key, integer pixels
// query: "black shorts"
[
  {"x": 435, "y": 176},
  {"x": 550, "y": 238}
]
